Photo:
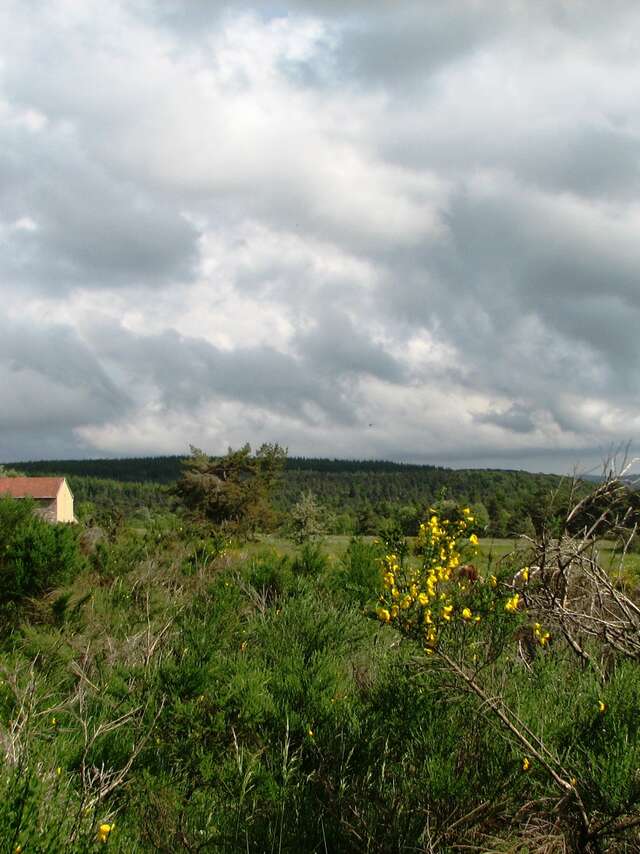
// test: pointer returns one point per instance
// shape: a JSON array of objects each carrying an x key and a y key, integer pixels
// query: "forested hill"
[
  {"x": 359, "y": 495},
  {"x": 133, "y": 469},
  {"x": 168, "y": 469}
]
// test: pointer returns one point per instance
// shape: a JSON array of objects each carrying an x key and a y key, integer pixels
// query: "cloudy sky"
[{"x": 402, "y": 230}]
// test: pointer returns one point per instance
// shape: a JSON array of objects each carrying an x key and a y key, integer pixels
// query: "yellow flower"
[
  {"x": 18, "y": 849},
  {"x": 473, "y": 539},
  {"x": 524, "y": 575},
  {"x": 511, "y": 605},
  {"x": 525, "y": 764},
  {"x": 383, "y": 615},
  {"x": 394, "y": 611},
  {"x": 494, "y": 581},
  {"x": 406, "y": 602},
  {"x": 423, "y": 599},
  {"x": 446, "y": 612},
  {"x": 466, "y": 614},
  {"x": 103, "y": 832},
  {"x": 310, "y": 732},
  {"x": 542, "y": 637},
  {"x": 602, "y": 707}
]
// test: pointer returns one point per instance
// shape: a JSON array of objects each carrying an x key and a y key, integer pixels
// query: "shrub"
[
  {"x": 310, "y": 561},
  {"x": 34, "y": 555},
  {"x": 359, "y": 575}
]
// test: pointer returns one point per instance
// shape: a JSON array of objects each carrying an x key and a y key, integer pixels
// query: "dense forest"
[{"x": 357, "y": 496}]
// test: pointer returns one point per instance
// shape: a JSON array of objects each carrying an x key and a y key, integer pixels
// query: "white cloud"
[{"x": 247, "y": 225}]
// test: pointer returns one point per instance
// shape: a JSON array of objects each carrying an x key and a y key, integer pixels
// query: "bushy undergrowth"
[
  {"x": 187, "y": 697},
  {"x": 34, "y": 555}
]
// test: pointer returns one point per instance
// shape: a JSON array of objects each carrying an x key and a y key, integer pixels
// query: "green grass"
[
  {"x": 492, "y": 550},
  {"x": 335, "y": 545}
]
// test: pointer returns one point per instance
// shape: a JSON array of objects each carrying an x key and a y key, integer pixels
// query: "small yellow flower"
[
  {"x": 383, "y": 615},
  {"x": 473, "y": 539},
  {"x": 18, "y": 849},
  {"x": 446, "y": 612},
  {"x": 466, "y": 614},
  {"x": 310, "y": 732},
  {"x": 494, "y": 581},
  {"x": 573, "y": 781},
  {"x": 602, "y": 707},
  {"x": 103, "y": 832},
  {"x": 524, "y": 575},
  {"x": 526, "y": 764},
  {"x": 58, "y": 771},
  {"x": 511, "y": 605},
  {"x": 423, "y": 599}
]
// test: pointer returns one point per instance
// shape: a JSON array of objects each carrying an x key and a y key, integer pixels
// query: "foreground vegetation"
[{"x": 176, "y": 688}]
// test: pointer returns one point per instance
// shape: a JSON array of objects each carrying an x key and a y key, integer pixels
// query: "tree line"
[{"x": 353, "y": 496}]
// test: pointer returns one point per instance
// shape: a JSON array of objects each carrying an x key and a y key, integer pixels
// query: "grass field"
[{"x": 491, "y": 551}]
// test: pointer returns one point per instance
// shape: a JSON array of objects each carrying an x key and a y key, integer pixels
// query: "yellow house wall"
[{"x": 64, "y": 504}]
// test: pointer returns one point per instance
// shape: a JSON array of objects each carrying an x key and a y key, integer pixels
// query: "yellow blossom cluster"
[
  {"x": 420, "y": 599},
  {"x": 511, "y": 605},
  {"x": 540, "y": 635},
  {"x": 424, "y": 597},
  {"x": 103, "y": 832}
]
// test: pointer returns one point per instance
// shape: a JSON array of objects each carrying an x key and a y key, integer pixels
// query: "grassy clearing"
[{"x": 492, "y": 550}]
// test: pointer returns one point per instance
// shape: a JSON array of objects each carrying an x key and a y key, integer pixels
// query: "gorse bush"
[
  {"x": 358, "y": 576},
  {"x": 34, "y": 555}
]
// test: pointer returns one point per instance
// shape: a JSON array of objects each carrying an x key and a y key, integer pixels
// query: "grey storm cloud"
[
  {"x": 225, "y": 220},
  {"x": 90, "y": 228},
  {"x": 188, "y": 372},
  {"x": 516, "y": 418}
]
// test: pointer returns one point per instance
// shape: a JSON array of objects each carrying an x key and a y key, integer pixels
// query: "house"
[{"x": 52, "y": 496}]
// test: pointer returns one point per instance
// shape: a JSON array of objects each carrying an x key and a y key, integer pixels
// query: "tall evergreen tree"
[{"x": 232, "y": 491}]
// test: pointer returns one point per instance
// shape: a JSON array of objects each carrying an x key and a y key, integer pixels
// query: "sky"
[{"x": 373, "y": 229}]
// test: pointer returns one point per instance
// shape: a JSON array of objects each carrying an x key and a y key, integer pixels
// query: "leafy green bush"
[{"x": 34, "y": 555}]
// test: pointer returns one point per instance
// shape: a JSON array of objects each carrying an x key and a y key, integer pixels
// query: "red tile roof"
[{"x": 32, "y": 487}]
